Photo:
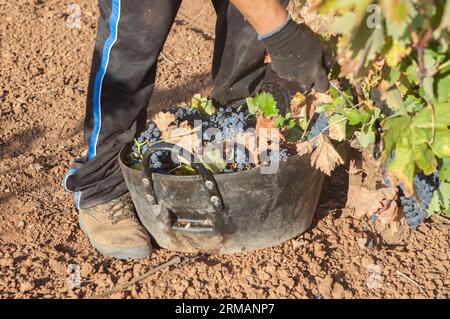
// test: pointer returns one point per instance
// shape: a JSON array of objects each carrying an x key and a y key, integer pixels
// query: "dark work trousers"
[{"x": 130, "y": 37}]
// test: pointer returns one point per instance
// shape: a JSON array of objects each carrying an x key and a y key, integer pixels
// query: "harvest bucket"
[{"x": 224, "y": 213}]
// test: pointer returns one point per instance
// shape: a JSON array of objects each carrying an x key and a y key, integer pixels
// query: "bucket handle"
[{"x": 208, "y": 178}]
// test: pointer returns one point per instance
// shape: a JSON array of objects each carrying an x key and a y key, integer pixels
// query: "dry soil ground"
[{"x": 44, "y": 68}]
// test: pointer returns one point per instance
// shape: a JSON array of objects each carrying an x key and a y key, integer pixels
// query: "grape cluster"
[
  {"x": 148, "y": 137},
  {"x": 184, "y": 114},
  {"x": 320, "y": 124},
  {"x": 229, "y": 123},
  {"x": 415, "y": 211}
]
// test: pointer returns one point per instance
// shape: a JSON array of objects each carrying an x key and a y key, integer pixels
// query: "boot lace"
[{"x": 122, "y": 210}]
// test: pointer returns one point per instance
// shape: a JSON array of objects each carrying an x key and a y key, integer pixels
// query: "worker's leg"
[
  {"x": 130, "y": 36},
  {"x": 238, "y": 64}
]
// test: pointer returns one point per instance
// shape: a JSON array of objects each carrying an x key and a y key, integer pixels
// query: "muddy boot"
[{"x": 114, "y": 229}]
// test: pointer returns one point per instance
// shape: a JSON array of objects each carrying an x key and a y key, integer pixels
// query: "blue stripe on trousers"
[{"x": 97, "y": 94}]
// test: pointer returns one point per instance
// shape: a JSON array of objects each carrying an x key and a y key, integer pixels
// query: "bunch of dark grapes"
[
  {"x": 184, "y": 114},
  {"x": 148, "y": 137},
  {"x": 415, "y": 211},
  {"x": 320, "y": 124},
  {"x": 229, "y": 124}
]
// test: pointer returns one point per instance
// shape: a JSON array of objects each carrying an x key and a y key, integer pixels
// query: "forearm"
[{"x": 263, "y": 15}]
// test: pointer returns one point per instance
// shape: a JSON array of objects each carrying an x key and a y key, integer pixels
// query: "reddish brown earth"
[{"x": 44, "y": 68}]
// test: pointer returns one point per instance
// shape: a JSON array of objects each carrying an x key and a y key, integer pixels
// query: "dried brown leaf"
[
  {"x": 354, "y": 167},
  {"x": 267, "y": 124},
  {"x": 304, "y": 148},
  {"x": 163, "y": 120},
  {"x": 184, "y": 136},
  {"x": 367, "y": 202},
  {"x": 391, "y": 223},
  {"x": 264, "y": 122},
  {"x": 316, "y": 99},
  {"x": 298, "y": 106},
  {"x": 325, "y": 157}
]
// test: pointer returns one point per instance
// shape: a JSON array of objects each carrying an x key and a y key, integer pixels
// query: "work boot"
[{"x": 114, "y": 229}]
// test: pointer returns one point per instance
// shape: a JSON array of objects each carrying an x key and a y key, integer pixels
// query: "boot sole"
[{"x": 119, "y": 253}]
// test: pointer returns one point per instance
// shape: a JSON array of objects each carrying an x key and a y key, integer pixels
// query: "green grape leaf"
[
  {"x": 203, "y": 104},
  {"x": 367, "y": 135},
  {"x": 444, "y": 171},
  {"x": 402, "y": 167},
  {"x": 441, "y": 142},
  {"x": 425, "y": 159},
  {"x": 354, "y": 117},
  {"x": 345, "y": 23},
  {"x": 290, "y": 124},
  {"x": 411, "y": 74},
  {"x": 445, "y": 21},
  {"x": 410, "y": 138},
  {"x": 442, "y": 118},
  {"x": 395, "y": 128},
  {"x": 413, "y": 104},
  {"x": 252, "y": 106},
  {"x": 428, "y": 86},
  {"x": 422, "y": 124},
  {"x": 443, "y": 89},
  {"x": 209, "y": 109},
  {"x": 430, "y": 59},
  {"x": 265, "y": 102},
  {"x": 395, "y": 101},
  {"x": 396, "y": 52},
  {"x": 279, "y": 121},
  {"x": 397, "y": 16},
  {"x": 440, "y": 201}
]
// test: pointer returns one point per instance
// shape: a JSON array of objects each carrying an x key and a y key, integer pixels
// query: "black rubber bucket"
[{"x": 224, "y": 213}]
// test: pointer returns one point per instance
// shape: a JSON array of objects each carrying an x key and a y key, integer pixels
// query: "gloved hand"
[{"x": 298, "y": 54}]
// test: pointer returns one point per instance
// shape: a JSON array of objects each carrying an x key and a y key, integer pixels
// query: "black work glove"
[{"x": 299, "y": 55}]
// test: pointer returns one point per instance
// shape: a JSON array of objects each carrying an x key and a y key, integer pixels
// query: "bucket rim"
[{"x": 253, "y": 170}]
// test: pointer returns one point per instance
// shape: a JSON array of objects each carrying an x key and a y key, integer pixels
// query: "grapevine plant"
[{"x": 393, "y": 58}]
